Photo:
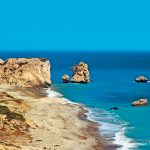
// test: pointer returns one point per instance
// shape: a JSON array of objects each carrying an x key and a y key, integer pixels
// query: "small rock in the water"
[
  {"x": 114, "y": 108},
  {"x": 141, "y": 102},
  {"x": 65, "y": 78},
  {"x": 141, "y": 79}
]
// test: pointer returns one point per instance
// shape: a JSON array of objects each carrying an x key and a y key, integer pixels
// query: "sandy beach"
[{"x": 53, "y": 123}]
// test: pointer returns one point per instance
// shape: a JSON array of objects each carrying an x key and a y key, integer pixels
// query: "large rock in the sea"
[
  {"x": 141, "y": 79},
  {"x": 24, "y": 72},
  {"x": 141, "y": 102},
  {"x": 80, "y": 73},
  {"x": 65, "y": 78}
]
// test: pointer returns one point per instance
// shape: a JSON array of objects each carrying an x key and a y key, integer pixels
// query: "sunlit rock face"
[
  {"x": 24, "y": 72},
  {"x": 140, "y": 102},
  {"x": 80, "y": 73},
  {"x": 141, "y": 79},
  {"x": 65, "y": 78}
]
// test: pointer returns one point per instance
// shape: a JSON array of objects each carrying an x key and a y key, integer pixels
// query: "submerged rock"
[
  {"x": 80, "y": 73},
  {"x": 114, "y": 108},
  {"x": 65, "y": 78},
  {"x": 141, "y": 102},
  {"x": 25, "y": 72},
  {"x": 141, "y": 79}
]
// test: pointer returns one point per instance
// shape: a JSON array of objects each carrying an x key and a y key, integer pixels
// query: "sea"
[{"x": 112, "y": 74}]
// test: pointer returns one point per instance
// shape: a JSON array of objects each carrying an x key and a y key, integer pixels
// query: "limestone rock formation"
[
  {"x": 65, "y": 78},
  {"x": 141, "y": 102},
  {"x": 24, "y": 72},
  {"x": 80, "y": 73},
  {"x": 141, "y": 79}
]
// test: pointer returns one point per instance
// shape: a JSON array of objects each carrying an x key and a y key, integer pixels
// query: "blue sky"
[{"x": 75, "y": 25}]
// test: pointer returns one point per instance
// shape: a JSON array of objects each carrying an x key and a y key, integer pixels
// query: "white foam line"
[
  {"x": 54, "y": 94},
  {"x": 105, "y": 127},
  {"x": 115, "y": 129},
  {"x": 127, "y": 143}
]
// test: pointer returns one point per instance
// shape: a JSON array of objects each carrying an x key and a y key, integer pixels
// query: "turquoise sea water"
[{"x": 113, "y": 84}]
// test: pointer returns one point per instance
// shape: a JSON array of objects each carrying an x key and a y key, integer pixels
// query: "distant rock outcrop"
[
  {"x": 141, "y": 79},
  {"x": 66, "y": 78},
  {"x": 141, "y": 102},
  {"x": 24, "y": 72},
  {"x": 80, "y": 73}
]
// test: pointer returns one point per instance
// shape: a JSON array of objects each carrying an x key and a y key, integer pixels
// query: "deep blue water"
[{"x": 113, "y": 75}]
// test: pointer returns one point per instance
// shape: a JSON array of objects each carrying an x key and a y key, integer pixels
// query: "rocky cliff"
[
  {"x": 80, "y": 73},
  {"x": 24, "y": 72}
]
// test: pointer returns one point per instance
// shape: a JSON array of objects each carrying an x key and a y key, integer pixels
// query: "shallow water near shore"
[{"x": 113, "y": 85}]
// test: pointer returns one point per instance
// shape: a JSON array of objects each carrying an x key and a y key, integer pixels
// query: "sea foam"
[
  {"x": 111, "y": 127},
  {"x": 127, "y": 143},
  {"x": 52, "y": 94}
]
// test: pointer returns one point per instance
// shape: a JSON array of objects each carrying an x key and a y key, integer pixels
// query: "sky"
[{"x": 75, "y": 25}]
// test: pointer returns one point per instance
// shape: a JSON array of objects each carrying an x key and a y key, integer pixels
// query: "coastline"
[
  {"x": 93, "y": 130},
  {"x": 56, "y": 123}
]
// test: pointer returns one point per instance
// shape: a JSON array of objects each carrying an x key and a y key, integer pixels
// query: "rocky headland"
[{"x": 25, "y": 72}]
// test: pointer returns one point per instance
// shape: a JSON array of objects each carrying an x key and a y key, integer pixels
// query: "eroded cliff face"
[
  {"x": 24, "y": 72},
  {"x": 80, "y": 73}
]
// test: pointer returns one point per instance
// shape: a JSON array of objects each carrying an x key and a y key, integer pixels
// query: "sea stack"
[
  {"x": 80, "y": 73},
  {"x": 141, "y": 79},
  {"x": 141, "y": 102},
  {"x": 24, "y": 72}
]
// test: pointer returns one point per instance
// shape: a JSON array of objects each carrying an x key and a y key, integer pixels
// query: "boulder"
[
  {"x": 65, "y": 78},
  {"x": 140, "y": 102},
  {"x": 80, "y": 73},
  {"x": 141, "y": 79},
  {"x": 24, "y": 72}
]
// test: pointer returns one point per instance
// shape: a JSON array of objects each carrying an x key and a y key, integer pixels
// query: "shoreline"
[
  {"x": 93, "y": 128},
  {"x": 113, "y": 134},
  {"x": 55, "y": 123}
]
